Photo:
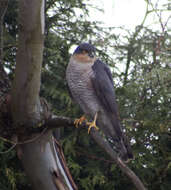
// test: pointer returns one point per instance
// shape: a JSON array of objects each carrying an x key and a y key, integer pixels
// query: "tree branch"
[
  {"x": 59, "y": 121},
  {"x": 125, "y": 169}
]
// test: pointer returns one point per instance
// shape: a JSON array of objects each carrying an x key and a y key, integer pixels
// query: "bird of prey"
[{"x": 91, "y": 85}]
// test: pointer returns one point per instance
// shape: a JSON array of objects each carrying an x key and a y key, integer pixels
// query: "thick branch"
[{"x": 58, "y": 121}]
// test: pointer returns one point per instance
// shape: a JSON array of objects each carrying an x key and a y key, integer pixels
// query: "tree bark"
[
  {"x": 42, "y": 164},
  {"x": 37, "y": 152},
  {"x": 26, "y": 85}
]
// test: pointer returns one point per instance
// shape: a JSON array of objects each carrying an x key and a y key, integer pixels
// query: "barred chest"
[{"x": 79, "y": 80}]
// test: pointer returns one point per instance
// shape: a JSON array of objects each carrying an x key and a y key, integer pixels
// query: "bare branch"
[
  {"x": 59, "y": 121},
  {"x": 125, "y": 169}
]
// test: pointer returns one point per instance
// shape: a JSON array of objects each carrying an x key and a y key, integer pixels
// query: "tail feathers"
[
  {"x": 128, "y": 147},
  {"x": 111, "y": 128},
  {"x": 124, "y": 147},
  {"x": 125, "y": 151}
]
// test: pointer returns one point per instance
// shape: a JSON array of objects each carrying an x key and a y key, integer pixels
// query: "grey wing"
[{"x": 104, "y": 88}]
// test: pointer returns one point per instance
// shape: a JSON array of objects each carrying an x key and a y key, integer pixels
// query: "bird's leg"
[
  {"x": 92, "y": 124},
  {"x": 79, "y": 121}
]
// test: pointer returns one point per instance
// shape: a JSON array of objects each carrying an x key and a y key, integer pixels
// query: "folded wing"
[{"x": 104, "y": 88}]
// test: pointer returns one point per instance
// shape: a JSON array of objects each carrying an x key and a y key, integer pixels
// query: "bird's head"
[{"x": 85, "y": 49}]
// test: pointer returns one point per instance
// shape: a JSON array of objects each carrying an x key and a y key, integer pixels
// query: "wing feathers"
[{"x": 103, "y": 85}]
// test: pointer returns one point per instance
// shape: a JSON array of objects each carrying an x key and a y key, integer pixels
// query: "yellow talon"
[
  {"x": 92, "y": 124},
  {"x": 79, "y": 121}
]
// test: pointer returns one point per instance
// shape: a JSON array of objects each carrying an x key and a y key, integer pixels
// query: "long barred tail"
[
  {"x": 123, "y": 148},
  {"x": 128, "y": 146},
  {"x": 122, "y": 142}
]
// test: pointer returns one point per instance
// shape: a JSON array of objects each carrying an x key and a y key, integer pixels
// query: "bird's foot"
[
  {"x": 92, "y": 124},
  {"x": 79, "y": 121}
]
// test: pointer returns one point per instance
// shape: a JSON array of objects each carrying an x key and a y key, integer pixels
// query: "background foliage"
[{"x": 143, "y": 93}]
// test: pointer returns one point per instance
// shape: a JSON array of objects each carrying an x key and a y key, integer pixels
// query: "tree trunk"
[
  {"x": 43, "y": 165},
  {"x": 37, "y": 152},
  {"x": 26, "y": 85}
]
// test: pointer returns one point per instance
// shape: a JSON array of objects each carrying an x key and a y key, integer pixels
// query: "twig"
[
  {"x": 11, "y": 148},
  {"x": 23, "y": 142}
]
